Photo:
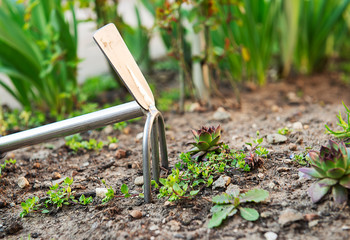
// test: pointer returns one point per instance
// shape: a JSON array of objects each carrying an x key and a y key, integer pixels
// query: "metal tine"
[
  {"x": 155, "y": 151},
  {"x": 162, "y": 142}
]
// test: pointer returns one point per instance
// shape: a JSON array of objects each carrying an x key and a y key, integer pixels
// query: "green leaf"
[
  {"x": 249, "y": 214},
  {"x": 205, "y": 137},
  {"x": 335, "y": 173},
  {"x": 222, "y": 199},
  {"x": 45, "y": 211},
  {"x": 316, "y": 192},
  {"x": 255, "y": 195},
  {"x": 124, "y": 189},
  {"x": 345, "y": 181},
  {"x": 340, "y": 194},
  {"x": 195, "y": 192},
  {"x": 219, "y": 216},
  {"x": 177, "y": 188}
]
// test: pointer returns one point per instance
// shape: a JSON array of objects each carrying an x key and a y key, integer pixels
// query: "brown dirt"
[{"x": 313, "y": 101}]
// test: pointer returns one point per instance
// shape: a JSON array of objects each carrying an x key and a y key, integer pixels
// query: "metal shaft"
[{"x": 70, "y": 126}]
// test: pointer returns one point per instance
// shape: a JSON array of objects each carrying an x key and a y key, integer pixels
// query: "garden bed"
[{"x": 313, "y": 101}]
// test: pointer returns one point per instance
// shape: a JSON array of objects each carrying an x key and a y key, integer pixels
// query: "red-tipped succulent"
[
  {"x": 207, "y": 139},
  {"x": 332, "y": 166}
]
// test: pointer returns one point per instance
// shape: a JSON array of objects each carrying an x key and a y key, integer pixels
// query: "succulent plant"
[
  {"x": 207, "y": 139},
  {"x": 332, "y": 166}
]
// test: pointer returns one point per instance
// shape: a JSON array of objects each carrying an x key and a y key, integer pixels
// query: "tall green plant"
[
  {"x": 38, "y": 51},
  {"x": 318, "y": 21}
]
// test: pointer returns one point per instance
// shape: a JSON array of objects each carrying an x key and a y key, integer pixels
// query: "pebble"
[
  {"x": 108, "y": 130},
  {"x": 283, "y": 169},
  {"x": 293, "y": 147},
  {"x": 137, "y": 214},
  {"x": 297, "y": 126},
  {"x": 221, "y": 115},
  {"x": 120, "y": 153},
  {"x": 222, "y": 182},
  {"x": 231, "y": 189},
  {"x": 288, "y": 216},
  {"x": 85, "y": 164},
  {"x": 311, "y": 216},
  {"x": 261, "y": 175},
  {"x": 139, "y": 136},
  {"x": 101, "y": 192},
  {"x": 138, "y": 181},
  {"x": 313, "y": 223},
  {"x": 113, "y": 146},
  {"x": 270, "y": 236},
  {"x": 56, "y": 175},
  {"x": 271, "y": 185},
  {"x": 127, "y": 130},
  {"x": 58, "y": 181},
  {"x": 22, "y": 182},
  {"x": 276, "y": 138},
  {"x": 174, "y": 225},
  {"x": 36, "y": 165},
  {"x": 266, "y": 214},
  {"x": 153, "y": 227}
]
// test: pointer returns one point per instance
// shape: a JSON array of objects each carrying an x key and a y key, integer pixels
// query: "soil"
[{"x": 313, "y": 101}]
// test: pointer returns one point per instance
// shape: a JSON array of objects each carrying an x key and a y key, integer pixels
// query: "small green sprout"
[
  {"x": 125, "y": 190},
  {"x": 85, "y": 200},
  {"x": 75, "y": 143},
  {"x": 226, "y": 206},
  {"x": 284, "y": 131},
  {"x": 109, "y": 194},
  {"x": 120, "y": 126},
  {"x": 345, "y": 133},
  {"x": 30, "y": 205},
  {"x": 7, "y": 162},
  {"x": 112, "y": 139}
]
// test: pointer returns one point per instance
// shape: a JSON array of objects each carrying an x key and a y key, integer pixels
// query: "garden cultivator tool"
[{"x": 114, "y": 48}]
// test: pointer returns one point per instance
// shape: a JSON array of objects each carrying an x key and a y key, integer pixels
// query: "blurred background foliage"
[{"x": 209, "y": 44}]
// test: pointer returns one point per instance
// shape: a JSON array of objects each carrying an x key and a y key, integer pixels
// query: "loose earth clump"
[{"x": 287, "y": 213}]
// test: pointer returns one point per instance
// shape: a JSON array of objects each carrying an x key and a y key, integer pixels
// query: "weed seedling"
[
  {"x": 59, "y": 196},
  {"x": 84, "y": 200},
  {"x": 120, "y": 126},
  {"x": 75, "y": 143},
  {"x": 345, "y": 125},
  {"x": 284, "y": 131},
  {"x": 226, "y": 206},
  {"x": 7, "y": 162},
  {"x": 112, "y": 139},
  {"x": 109, "y": 194},
  {"x": 30, "y": 205}
]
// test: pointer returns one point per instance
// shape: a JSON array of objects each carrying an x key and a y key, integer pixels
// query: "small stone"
[
  {"x": 153, "y": 227},
  {"x": 113, "y": 146},
  {"x": 283, "y": 169},
  {"x": 108, "y": 130},
  {"x": 174, "y": 225},
  {"x": 11, "y": 155},
  {"x": 120, "y": 153},
  {"x": 276, "y": 138},
  {"x": 58, "y": 181},
  {"x": 221, "y": 115},
  {"x": 232, "y": 189},
  {"x": 306, "y": 127},
  {"x": 293, "y": 147},
  {"x": 22, "y": 182},
  {"x": 221, "y": 182},
  {"x": 261, "y": 175},
  {"x": 36, "y": 165},
  {"x": 101, "y": 192},
  {"x": 56, "y": 175},
  {"x": 311, "y": 216},
  {"x": 345, "y": 227},
  {"x": 137, "y": 214},
  {"x": 138, "y": 181},
  {"x": 127, "y": 130},
  {"x": 297, "y": 126},
  {"x": 271, "y": 185},
  {"x": 313, "y": 223},
  {"x": 270, "y": 236},
  {"x": 139, "y": 136},
  {"x": 288, "y": 216},
  {"x": 85, "y": 164},
  {"x": 266, "y": 214},
  {"x": 275, "y": 108}
]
